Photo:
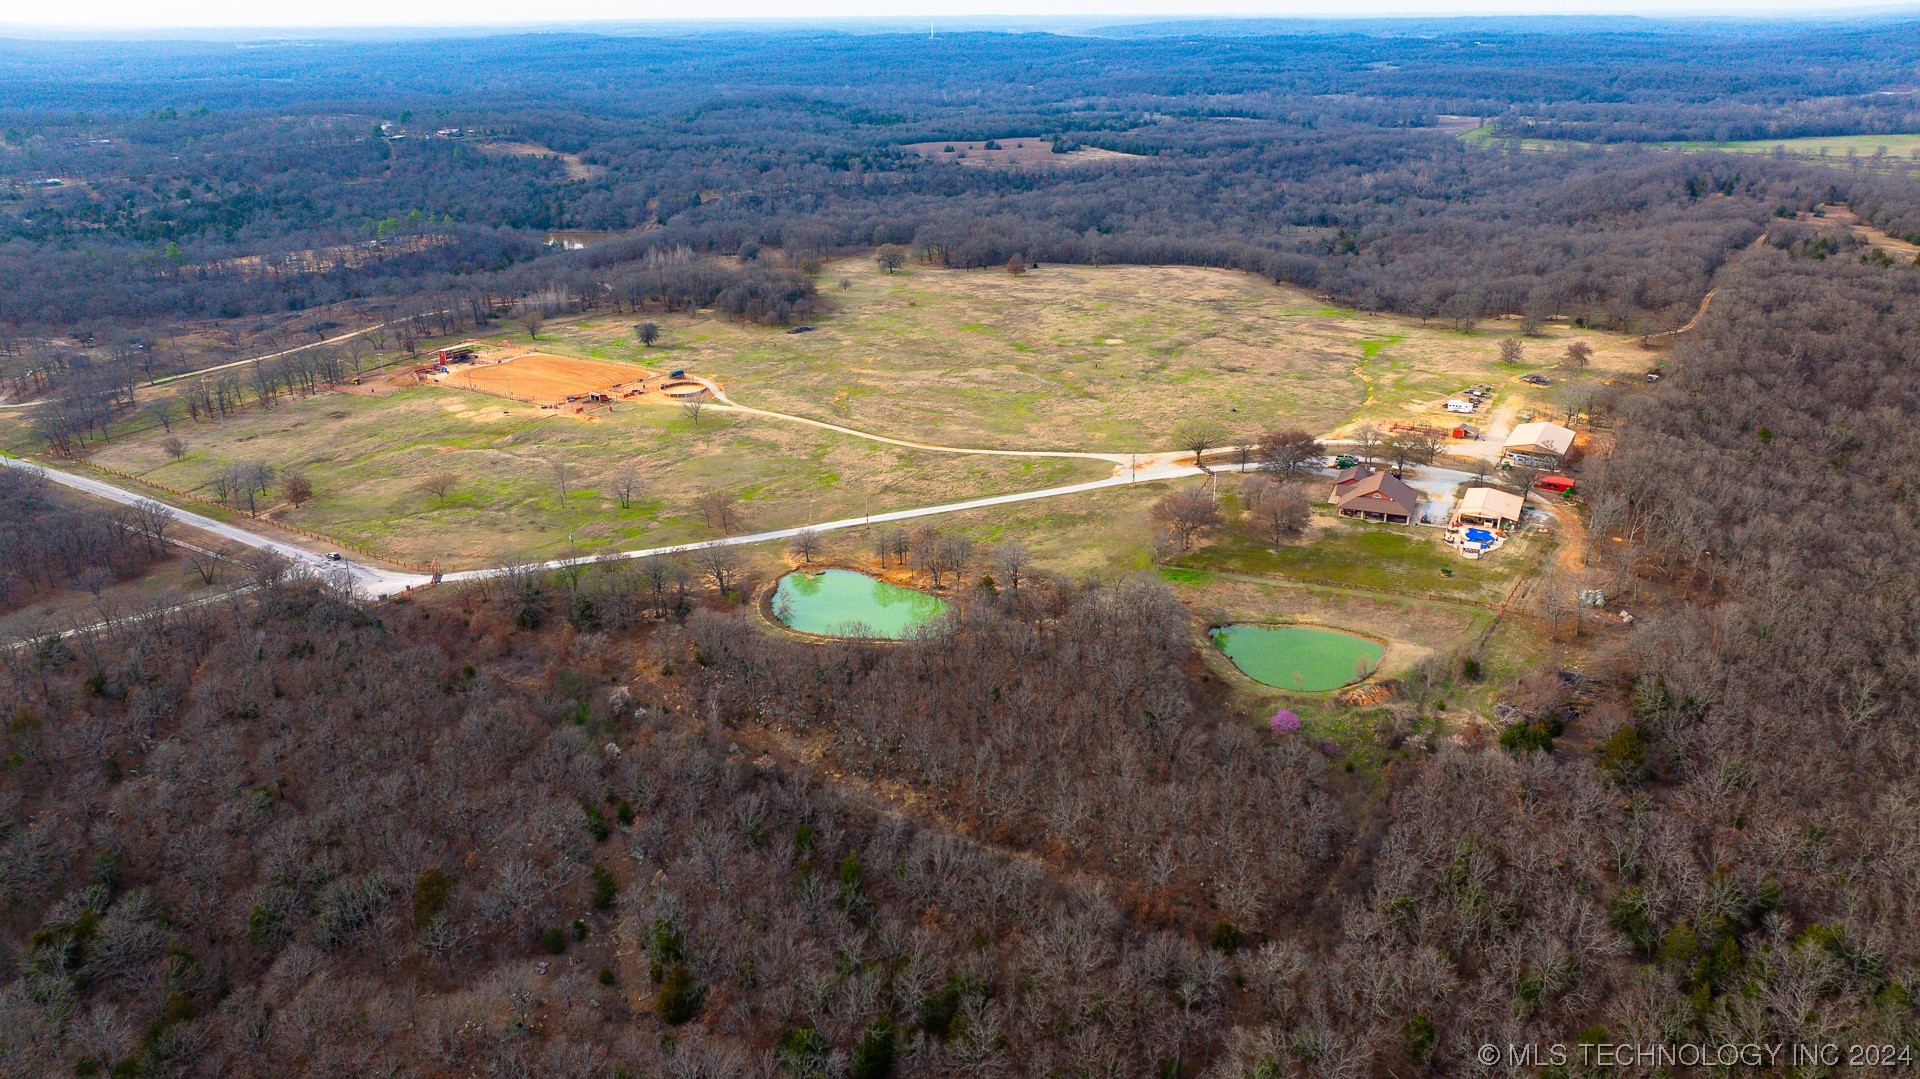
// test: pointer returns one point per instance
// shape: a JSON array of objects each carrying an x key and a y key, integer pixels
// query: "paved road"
[
  {"x": 30, "y": 639},
  {"x": 1435, "y": 484},
  {"x": 370, "y": 580},
  {"x": 1158, "y": 471},
  {"x": 164, "y": 379}
]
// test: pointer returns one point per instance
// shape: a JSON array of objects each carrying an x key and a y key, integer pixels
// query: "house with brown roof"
[
  {"x": 1344, "y": 480},
  {"x": 1380, "y": 496}
]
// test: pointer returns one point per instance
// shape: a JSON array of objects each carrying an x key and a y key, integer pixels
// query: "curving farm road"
[{"x": 379, "y": 582}]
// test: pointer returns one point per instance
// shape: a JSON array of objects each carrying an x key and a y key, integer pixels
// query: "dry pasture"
[{"x": 1017, "y": 153}]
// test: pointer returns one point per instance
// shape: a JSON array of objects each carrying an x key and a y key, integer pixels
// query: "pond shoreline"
[
  {"x": 1216, "y": 637},
  {"x": 844, "y": 586}
]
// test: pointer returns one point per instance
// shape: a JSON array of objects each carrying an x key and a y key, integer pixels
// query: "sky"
[{"x": 135, "y": 15}]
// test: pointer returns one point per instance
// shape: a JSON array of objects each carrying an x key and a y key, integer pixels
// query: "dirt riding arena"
[{"x": 544, "y": 379}]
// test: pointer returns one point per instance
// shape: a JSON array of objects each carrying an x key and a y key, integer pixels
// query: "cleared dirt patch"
[
  {"x": 1015, "y": 154},
  {"x": 544, "y": 379},
  {"x": 576, "y": 169}
]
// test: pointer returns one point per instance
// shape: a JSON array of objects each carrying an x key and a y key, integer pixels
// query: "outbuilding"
[
  {"x": 1488, "y": 507},
  {"x": 1540, "y": 438}
]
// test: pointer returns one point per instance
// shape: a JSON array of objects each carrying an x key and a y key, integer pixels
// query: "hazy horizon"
[{"x": 123, "y": 18}]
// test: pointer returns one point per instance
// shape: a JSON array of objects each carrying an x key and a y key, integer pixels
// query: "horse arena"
[{"x": 544, "y": 379}]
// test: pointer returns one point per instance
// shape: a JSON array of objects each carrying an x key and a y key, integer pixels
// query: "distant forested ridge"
[{"x": 196, "y": 178}]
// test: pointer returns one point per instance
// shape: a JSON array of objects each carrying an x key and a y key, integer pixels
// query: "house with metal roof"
[
  {"x": 1539, "y": 439},
  {"x": 1488, "y": 507}
]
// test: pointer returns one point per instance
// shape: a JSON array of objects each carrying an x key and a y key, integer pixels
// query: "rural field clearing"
[
  {"x": 1015, "y": 153},
  {"x": 1894, "y": 151},
  {"x": 374, "y": 460},
  {"x": 1836, "y": 148},
  {"x": 1077, "y": 358}
]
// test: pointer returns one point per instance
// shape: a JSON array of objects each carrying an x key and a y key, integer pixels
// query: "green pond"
[
  {"x": 842, "y": 603},
  {"x": 1304, "y": 658}
]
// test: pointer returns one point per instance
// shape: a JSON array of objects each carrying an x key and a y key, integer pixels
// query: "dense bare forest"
[
  {"x": 47, "y": 543},
  {"x": 601, "y": 823},
  {"x": 1326, "y": 159}
]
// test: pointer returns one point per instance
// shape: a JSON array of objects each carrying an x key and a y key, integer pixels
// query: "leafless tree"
[
  {"x": 92, "y": 580},
  {"x": 1281, "y": 516},
  {"x": 174, "y": 446},
  {"x": 242, "y": 483},
  {"x": 297, "y": 488},
  {"x": 1426, "y": 444},
  {"x": 205, "y": 563},
  {"x": 1366, "y": 444},
  {"x": 1011, "y": 563},
  {"x": 648, "y": 333},
  {"x": 721, "y": 564},
  {"x": 940, "y": 554},
  {"x": 1401, "y": 449},
  {"x": 1187, "y": 514},
  {"x": 1289, "y": 453},
  {"x": 691, "y": 407},
  {"x": 160, "y": 411},
  {"x": 153, "y": 519},
  {"x": 805, "y": 545},
  {"x": 1197, "y": 435},
  {"x": 1579, "y": 354},
  {"x": 890, "y": 257},
  {"x": 721, "y": 511},
  {"x": 626, "y": 484},
  {"x": 269, "y": 568},
  {"x": 441, "y": 485},
  {"x": 1511, "y": 350}
]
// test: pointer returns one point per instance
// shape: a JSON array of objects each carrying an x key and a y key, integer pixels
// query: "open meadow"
[
  {"x": 520, "y": 480},
  {"x": 1069, "y": 358},
  {"x": 1899, "y": 152},
  {"x": 1079, "y": 358}
]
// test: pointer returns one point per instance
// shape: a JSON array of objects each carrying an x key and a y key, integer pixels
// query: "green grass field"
[
  {"x": 1066, "y": 357},
  {"x": 370, "y": 458},
  {"x": 1837, "y": 148},
  {"x": 1391, "y": 558},
  {"x": 1096, "y": 358}
]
